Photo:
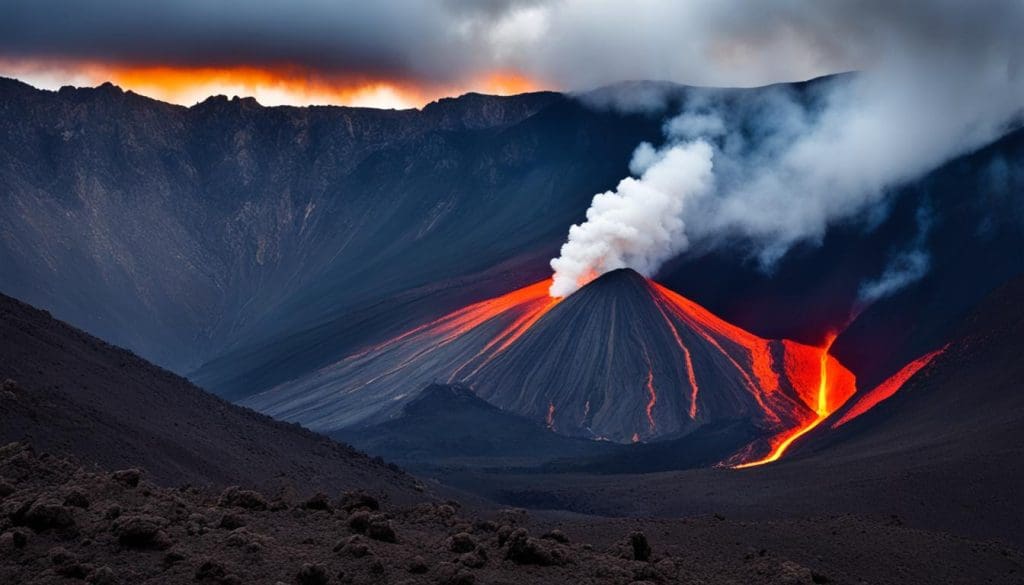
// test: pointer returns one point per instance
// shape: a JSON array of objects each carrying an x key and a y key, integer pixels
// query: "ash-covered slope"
[
  {"x": 622, "y": 359},
  {"x": 70, "y": 393},
  {"x": 183, "y": 233}
]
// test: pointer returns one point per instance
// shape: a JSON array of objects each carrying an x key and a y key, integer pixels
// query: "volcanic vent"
[{"x": 622, "y": 359}]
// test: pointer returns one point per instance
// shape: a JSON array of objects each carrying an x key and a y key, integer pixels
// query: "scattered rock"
[
  {"x": 127, "y": 477},
  {"x": 141, "y": 531},
  {"x": 639, "y": 546},
  {"x": 103, "y": 576},
  {"x": 791, "y": 573},
  {"x": 354, "y": 546},
  {"x": 210, "y": 570},
  {"x": 461, "y": 543},
  {"x": 504, "y": 531},
  {"x": 60, "y": 556},
  {"x": 359, "y": 521},
  {"x": 112, "y": 512},
  {"x": 485, "y": 526},
  {"x": 13, "y": 539},
  {"x": 451, "y": 574},
  {"x": 312, "y": 575},
  {"x": 380, "y": 528},
  {"x": 318, "y": 501},
  {"x": 6, "y": 489},
  {"x": 230, "y": 522},
  {"x": 667, "y": 568},
  {"x": 77, "y": 499},
  {"x": 174, "y": 557},
  {"x": 418, "y": 565},
  {"x": 556, "y": 535},
  {"x": 48, "y": 514},
  {"x": 524, "y": 550},
  {"x": 475, "y": 559},
  {"x": 234, "y": 497},
  {"x": 351, "y": 501}
]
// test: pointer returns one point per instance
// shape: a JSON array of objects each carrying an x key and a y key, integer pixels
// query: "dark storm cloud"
[
  {"x": 406, "y": 39},
  {"x": 569, "y": 43}
]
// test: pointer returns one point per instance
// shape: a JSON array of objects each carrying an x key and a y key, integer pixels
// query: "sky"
[{"x": 405, "y": 53}]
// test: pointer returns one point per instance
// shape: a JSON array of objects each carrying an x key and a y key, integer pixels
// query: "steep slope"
[
  {"x": 186, "y": 233},
  {"x": 71, "y": 393},
  {"x": 623, "y": 359}
]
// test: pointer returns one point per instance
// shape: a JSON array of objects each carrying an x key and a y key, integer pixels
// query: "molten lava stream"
[
  {"x": 821, "y": 411},
  {"x": 886, "y": 389}
]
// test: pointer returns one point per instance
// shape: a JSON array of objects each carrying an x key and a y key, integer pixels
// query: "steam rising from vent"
[
  {"x": 639, "y": 224},
  {"x": 937, "y": 82},
  {"x": 904, "y": 268}
]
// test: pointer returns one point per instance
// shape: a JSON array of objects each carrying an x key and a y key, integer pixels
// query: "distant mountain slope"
[
  {"x": 248, "y": 246},
  {"x": 72, "y": 393},
  {"x": 179, "y": 231},
  {"x": 448, "y": 425}
]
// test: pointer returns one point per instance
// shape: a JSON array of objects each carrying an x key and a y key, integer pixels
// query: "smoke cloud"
[
  {"x": 638, "y": 224},
  {"x": 791, "y": 161},
  {"x": 904, "y": 268}
]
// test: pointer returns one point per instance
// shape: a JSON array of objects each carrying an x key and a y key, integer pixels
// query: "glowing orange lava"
[
  {"x": 652, "y": 394},
  {"x": 828, "y": 367},
  {"x": 887, "y": 388},
  {"x": 705, "y": 323},
  {"x": 691, "y": 376}
]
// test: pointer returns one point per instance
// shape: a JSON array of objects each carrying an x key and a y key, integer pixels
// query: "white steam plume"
[
  {"x": 791, "y": 161},
  {"x": 904, "y": 268},
  {"x": 638, "y": 224}
]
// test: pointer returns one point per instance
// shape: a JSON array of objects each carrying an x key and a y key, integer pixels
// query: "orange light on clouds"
[{"x": 271, "y": 86}]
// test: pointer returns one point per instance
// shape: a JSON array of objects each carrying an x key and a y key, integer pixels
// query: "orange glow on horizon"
[{"x": 270, "y": 85}]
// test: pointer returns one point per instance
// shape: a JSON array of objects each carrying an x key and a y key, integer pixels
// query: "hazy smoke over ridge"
[{"x": 790, "y": 162}]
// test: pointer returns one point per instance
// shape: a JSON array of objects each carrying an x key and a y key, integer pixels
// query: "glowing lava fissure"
[
  {"x": 824, "y": 403},
  {"x": 620, "y": 359},
  {"x": 886, "y": 389}
]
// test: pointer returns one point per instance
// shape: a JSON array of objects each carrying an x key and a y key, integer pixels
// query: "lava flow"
[
  {"x": 822, "y": 409},
  {"x": 886, "y": 389}
]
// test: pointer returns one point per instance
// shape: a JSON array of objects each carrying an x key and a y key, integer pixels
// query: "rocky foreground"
[{"x": 62, "y": 523}]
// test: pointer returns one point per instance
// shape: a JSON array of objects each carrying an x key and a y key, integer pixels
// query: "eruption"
[
  {"x": 623, "y": 359},
  {"x": 639, "y": 224}
]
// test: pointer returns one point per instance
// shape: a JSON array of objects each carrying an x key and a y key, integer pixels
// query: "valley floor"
[{"x": 63, "y": 523}]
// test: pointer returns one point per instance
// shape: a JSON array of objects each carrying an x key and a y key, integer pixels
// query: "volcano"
[{"x": 623, "y": 359}]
